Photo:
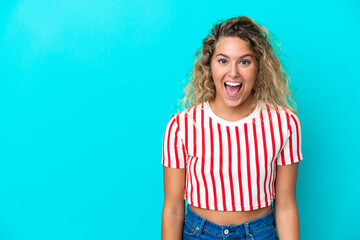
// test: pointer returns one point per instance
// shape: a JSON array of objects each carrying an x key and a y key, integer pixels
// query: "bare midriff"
[{"x": 228, "y": 217}]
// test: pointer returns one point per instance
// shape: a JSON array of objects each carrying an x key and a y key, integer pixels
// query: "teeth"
[{"x": 233, "y": 84}]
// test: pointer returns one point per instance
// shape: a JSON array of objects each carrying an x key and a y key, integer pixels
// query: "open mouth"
[{"x": 233, "y": 88}]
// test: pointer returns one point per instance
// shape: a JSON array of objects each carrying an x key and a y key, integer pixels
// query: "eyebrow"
[{"x": 246, "y": 55}]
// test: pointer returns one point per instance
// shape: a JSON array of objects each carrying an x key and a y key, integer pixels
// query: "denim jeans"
[{"x": 262, "y": 228}]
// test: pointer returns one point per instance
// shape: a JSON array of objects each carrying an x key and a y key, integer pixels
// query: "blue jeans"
[{"x": 262, "y": 228}]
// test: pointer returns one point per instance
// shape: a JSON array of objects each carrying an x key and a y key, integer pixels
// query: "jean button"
[{"x": 226, "y": 231}]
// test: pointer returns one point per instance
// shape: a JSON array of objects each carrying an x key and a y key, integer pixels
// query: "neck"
[{"x": 233, "y": 113}]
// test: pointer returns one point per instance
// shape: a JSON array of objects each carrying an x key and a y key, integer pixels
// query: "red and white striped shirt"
[{"x": 231, "y": 166}]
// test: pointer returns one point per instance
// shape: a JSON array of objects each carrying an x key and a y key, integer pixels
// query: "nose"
[{"x": 233, "y": 71}]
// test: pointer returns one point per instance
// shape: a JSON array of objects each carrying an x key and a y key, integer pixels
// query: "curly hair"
[{"x": 272, "y": 82}]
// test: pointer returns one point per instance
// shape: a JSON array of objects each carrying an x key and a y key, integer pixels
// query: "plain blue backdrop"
[{"x": 87, "y": 87}]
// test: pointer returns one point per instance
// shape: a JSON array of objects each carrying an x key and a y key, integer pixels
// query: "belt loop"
[
  {"x": 246, "y": 225},
  {"x": 202, "y": 225}
]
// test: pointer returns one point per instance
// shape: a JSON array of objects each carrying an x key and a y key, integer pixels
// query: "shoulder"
[
  {"x": 189, "y": 112},
  {"x": 277, "y": 109},
  {"x": 181, "y": 115},
  {"x": 291, "y": 117},
  {"x": 280, "y": 113}
]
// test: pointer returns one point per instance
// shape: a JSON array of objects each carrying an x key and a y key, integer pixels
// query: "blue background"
[{"x": 87, "y": 87}]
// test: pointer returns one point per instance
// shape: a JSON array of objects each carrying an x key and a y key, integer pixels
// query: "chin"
[{"x": 233, "y": 103}]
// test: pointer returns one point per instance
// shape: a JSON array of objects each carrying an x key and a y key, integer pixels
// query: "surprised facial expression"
[{"x": 234, "y": 71}]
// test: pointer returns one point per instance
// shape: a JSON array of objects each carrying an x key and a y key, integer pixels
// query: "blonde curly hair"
[{"x": 272, "y": 83}]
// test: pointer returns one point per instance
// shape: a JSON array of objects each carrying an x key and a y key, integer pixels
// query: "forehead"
[{"x": 232, "y": 46}]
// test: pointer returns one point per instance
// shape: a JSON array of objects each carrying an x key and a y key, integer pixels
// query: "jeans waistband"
[{"x": 244, "y": 228}]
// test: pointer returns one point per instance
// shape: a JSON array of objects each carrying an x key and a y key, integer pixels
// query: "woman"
[{"x": 237, "y": 141}]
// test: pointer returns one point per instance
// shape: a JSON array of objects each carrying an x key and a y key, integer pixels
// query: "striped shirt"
[{"x": 231, "y": 166}]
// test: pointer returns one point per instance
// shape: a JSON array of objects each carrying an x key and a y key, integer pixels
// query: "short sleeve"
[
  {"x": 173, "y": 154},
  {"x": 291, "y": 152}
]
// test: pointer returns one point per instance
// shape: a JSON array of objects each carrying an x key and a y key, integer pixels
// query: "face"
[{"x": 234, "y": 71}]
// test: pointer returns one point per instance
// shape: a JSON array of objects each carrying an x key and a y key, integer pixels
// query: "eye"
[
  {"x": 245, "y": 62},
  {"x": 222, "y": 61}
]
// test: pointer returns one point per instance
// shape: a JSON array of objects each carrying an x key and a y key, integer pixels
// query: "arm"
[
  {"x": 173, "y": 214},
  {"x": 286, "y": 212}
]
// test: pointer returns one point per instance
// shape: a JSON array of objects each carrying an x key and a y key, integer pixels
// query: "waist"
[{"x": 230, "y": 217}]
